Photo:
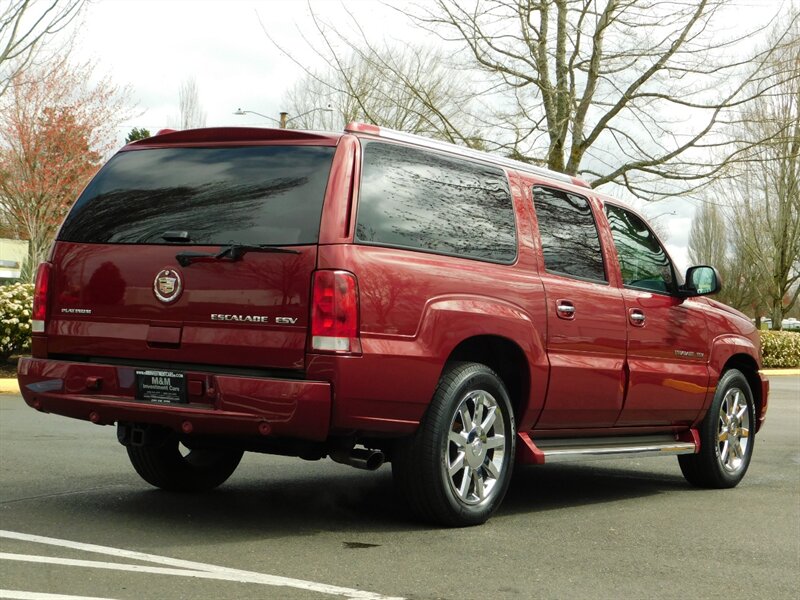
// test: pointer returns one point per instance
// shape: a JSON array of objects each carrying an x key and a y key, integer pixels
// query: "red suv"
[{"x": 371, "y": 296}]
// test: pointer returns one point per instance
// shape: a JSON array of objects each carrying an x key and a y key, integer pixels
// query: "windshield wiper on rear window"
[{"x": 232, "y": 252}]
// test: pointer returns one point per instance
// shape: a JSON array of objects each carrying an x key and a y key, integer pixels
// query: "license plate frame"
[{"x": 161, "y": 386}]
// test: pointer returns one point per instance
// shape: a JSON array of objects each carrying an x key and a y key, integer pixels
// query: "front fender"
[{"x": 724, "y": 347}]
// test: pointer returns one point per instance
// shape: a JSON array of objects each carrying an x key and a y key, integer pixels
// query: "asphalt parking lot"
[{"x": 77, "y": 522}]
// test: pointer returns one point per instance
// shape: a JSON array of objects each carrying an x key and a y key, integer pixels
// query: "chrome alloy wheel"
[
  {"x": 475, "y": 447},
  {"x": 733, "y": 432}
]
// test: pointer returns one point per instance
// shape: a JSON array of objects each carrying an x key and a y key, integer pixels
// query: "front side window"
[
  {"x": 570, "y": 242},
  {"x": 642, "y": 260},
  {"x": 411, "y": 198}
]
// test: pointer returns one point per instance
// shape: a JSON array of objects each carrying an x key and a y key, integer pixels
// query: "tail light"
[
  {"x": 40, "y": 297},
  {"x": 334, "y": 312}
]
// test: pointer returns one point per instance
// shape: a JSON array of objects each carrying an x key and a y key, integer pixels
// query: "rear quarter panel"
[{"x": 415, "y": 309}]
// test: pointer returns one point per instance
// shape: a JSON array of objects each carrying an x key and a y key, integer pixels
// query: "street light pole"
[
  {"x": 284, "y": 116},
  {"x": 240, "y": 112},
  {"x": 284, "y": 120},
  {"x": 662, "y": 214}
]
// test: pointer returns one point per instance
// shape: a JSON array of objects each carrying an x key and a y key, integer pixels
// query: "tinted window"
[
  {"x": 570, "y": 242},
  {"x": 255, "y": 195},
  {"x": 415, "y": 199},
  {"x": 642, "y": 260}
]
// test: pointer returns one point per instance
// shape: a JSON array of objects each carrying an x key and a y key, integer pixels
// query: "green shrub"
[
  {"x": 16, "y": 302},
  {"x": 780, "y": 349}
]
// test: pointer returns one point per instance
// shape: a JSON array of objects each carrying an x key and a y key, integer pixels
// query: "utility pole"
[{"x": 283, "y": 119}]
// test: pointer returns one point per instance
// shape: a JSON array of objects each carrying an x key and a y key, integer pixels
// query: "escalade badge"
[{"x": 167, "y": 285}]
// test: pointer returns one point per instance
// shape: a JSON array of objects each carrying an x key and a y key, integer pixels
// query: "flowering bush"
[
  {"x": 780, "y": 349},
  {"x": 16, "y": 302}
]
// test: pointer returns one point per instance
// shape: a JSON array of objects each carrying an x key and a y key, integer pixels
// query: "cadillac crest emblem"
[{"x": 167, "y": 285}]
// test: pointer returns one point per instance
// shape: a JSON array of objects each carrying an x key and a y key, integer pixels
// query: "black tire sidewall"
[
  {"x": 710, "y": 448},
  {"x": 473, "y": 377},
  {"x": 164, "y": 466}
]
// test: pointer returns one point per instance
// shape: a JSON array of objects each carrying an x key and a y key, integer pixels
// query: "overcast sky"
[{"x": 152, "y": 46}]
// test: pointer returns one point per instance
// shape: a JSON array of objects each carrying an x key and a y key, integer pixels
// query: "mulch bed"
[{"x": 9, "y": 368}]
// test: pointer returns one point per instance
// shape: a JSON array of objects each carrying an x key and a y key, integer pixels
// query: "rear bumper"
[{"x": 218, "y": 404}]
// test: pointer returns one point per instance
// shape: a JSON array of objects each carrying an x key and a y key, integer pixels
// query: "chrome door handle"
[
  {"x": 565, "y": 309},
  {"x": 636, "y": 317}
]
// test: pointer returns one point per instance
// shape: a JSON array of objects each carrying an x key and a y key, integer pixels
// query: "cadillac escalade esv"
[{"x": 372, "y": 295}]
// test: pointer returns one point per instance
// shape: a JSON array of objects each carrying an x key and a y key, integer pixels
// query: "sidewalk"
[
  {"x": 9, "y": 386},
  {"x": 773, "y": 372}
]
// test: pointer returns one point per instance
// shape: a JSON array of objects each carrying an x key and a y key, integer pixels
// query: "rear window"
[
  {"x": 252, "y": 195},
  {"x": 433, "y": 202}
]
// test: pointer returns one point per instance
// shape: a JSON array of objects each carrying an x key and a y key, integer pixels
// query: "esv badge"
[{"x": 167, "y": 286}]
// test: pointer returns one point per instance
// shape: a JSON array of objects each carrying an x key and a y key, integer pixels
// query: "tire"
[
  {"x": 727, "y": 434},
  {"x": 456, "y": 468},
  {"x": 201, "y": 469}
]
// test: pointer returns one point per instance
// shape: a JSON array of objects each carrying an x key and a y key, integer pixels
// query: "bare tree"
[
  {"x": 405, "y": 88},
  {"x": 634, "y": 92},
  {"x": 410, "y": 88},
  {"x": 768, "y": 226},
  {"x": 711, "y": 242},
  {"x": 708, "y": 236},
  {"x": 313, "y": 92},
  {"x": 769, "y": 203},
  {"x": 763, "y": 186},
  {"x": 24, "y": 26},
  {"x": 192, "y": 113}
]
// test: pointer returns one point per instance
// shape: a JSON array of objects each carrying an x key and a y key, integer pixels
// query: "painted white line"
[
  {"x": 97, "y": 564},
  {"x": 185, "y": 568},
  {"x": 20, "y": 595},
  {"x": 109, "y": 551}
]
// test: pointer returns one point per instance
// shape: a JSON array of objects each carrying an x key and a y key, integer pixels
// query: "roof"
[{"x": 418, "y": 140}]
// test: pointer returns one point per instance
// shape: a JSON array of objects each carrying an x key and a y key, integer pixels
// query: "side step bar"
[{"x": 580, "y": 449}]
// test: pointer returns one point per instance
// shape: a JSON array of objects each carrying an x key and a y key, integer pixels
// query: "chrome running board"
[{"x": 569, "y": 450}]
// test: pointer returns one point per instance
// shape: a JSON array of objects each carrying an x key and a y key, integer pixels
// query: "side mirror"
[{"x": 701, "y": 281}]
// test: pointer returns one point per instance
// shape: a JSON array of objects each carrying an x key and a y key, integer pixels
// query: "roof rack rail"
[{"x": 419, "y": 140}]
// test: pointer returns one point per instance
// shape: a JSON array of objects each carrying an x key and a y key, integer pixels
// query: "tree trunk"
[{"x": 777, "y": 317}]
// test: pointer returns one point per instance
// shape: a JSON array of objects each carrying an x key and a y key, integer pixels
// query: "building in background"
[{"x": 12, "y": 255}]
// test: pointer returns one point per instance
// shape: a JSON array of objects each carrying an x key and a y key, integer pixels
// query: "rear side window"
[
  {"x": 642, "y": 260},
  {"x": 570, "y": 242},
  {"x": 252, "y": 195},
  {"x": 422, "y": 200}
]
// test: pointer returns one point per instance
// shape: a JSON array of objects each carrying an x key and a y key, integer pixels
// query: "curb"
[{"x": 11, "y": 386}]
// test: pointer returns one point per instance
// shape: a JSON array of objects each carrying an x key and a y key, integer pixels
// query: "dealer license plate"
[{"x": 163, "y": 387}]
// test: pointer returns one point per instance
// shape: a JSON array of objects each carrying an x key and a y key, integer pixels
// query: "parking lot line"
[
  {"x": 20, "y": 595},
  {"x": 184, "y": 568}
]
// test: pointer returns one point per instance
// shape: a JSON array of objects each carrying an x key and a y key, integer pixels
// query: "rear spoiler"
[{"x": 223, "y": 135}]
